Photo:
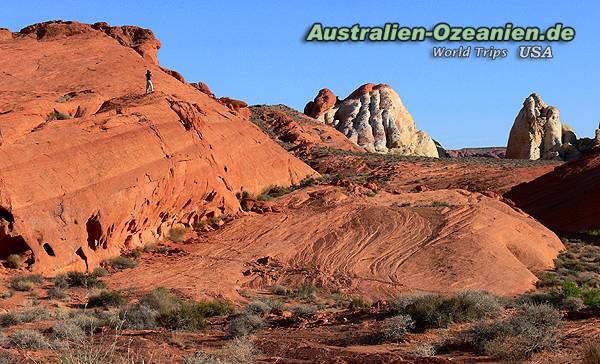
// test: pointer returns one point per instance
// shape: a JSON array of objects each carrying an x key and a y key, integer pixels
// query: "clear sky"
[{"x": 254, "y": 51}]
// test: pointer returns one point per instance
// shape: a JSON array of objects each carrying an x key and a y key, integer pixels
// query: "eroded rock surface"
[
  {"x": 90, "y": 166},
  {"x": 538, "y": 133},
  {"x": 375, "y": 118}
]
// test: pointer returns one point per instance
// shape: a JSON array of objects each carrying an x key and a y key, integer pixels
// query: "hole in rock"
[
  {"x": 6, "y": 215},
  {"x": 49, "y": 249},
  {"x": 128, "y": 241},
  {"x": 94, "y": 231},
  {"x": 81, "y": 255},
  {"x": 12, "y": 245}
]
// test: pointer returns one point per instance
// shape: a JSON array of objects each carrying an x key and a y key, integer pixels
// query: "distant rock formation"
[
  {"x": 487, "y": 152},
  {"x": 375, "y": 118},
  {"x": 538, "y": 133}
]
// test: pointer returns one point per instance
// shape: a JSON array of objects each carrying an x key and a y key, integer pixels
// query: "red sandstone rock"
[
  {"x": 324, "y": 101},
  {"x": 566, "y": 199},
  {"x": 202, "y": 87},
  {"x": 125, "y": 166}
]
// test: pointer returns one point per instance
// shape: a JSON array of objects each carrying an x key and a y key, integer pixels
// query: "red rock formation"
[
  {"x": 113, "y": 168},
  {"x": 324, "y": 101},
  {"x": 566, "y": 199},
  {"x": 202, "y": 87}
]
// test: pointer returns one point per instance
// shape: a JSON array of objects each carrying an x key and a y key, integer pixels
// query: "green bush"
[
  {"x": 190, "y": 316},
  {"x": 245, "y": 324},
  {"x": 107, "y": 299},
  {"x": 100, "y": 272},
  {"x": 396, "y": 328},
  {"x": 14, "y": 261},
  {"x": 121, "y": 262},
  {"x": 531, "y": 329},
  {"x": 570, "y": 289}
]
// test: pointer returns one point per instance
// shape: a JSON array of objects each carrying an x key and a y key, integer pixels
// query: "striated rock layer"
[
  {"x": 566, "y": 199},
  {"x": 375, "y": 118},
  {"x": 89, "y": 165},
  {"x": 440, "y": 241}
]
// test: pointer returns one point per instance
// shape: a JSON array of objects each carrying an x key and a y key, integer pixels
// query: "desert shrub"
[
  {"x": 440, "y": 204},
  {"x": 9, "y": 319},
  {"x": 14, "y": 261},
  {"x": 177, "y": 234},
  {"x": 424, "y": 350},
  {"x": 100, "y": 272},
  {"x": 56, "y": 293},
  {"x": 531, "y": 329},
  {"x": 570, "y": 289},
  {"x": 106, "y": 298},
  {"x": 25, "y": 282},
  {"x": 547, "y": 279},
  {"x": 67, "y": 330},
  {"x": 274, "y": 191},
  {"x": 244, "y": 324},
  {"x": 55, "y": 115},
  {"x": 238, "y": 351},
  {"x": 87, "y": 322},
  {"x": 85, "y": 280},
  {"x": 434, "y": 311},
  {"x": 307, "y": 291},
  {"x": 27, "y": 339},
  {"x": 572, "y": 303},
  {"x": 138, "y": 317},
  {"x": 302, "y": 310},
  {"x": 121, "y": 262},
  {"x": 590, "y": 297},
  {"x": 161, "y": 300},
  {"x": 396, "y": 328},
  {"x": 358, "y": 303},
  {"x": 243, "y": 195},
  {"x": 273, "y": 304},
  {"x": 190, "y": 316},
  {"x": 591, "y": 352},
  {"x": 279, "y": 290},
  {"x": 307, "y": 181},
  {"x": 32, "y": 314},
  {"x": 184, "y": 317},
  {"x": 258, "y": 308},
  {"x": 6, "y": 294}
]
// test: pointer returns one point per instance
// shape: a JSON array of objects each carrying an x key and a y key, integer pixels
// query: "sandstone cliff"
[
  {"x": 89, "y": 165},
  {"x": 375, "y": 118}
]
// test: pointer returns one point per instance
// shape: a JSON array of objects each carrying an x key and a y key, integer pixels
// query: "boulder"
[{"x": 373, "y": 117}]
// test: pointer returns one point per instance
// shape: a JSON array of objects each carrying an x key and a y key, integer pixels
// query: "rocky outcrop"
[
  {"x": 91, "y": 166},
  {"x": 538, "y": 133},
  {"x": 375, "y": 118},
  {"x": 203, "y": 87},
  {"x": 566, "y": 199}
]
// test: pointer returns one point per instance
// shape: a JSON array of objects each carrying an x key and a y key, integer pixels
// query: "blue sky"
[{"x": 254, "y": 51}]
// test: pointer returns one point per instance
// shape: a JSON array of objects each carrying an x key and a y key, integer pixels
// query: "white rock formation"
[{"x": 375, "y": 118}]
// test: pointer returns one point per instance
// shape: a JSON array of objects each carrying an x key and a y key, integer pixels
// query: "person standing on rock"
[{"x": 149, "y": 85}]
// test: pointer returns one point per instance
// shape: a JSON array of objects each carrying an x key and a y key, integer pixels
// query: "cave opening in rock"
[
  {"x": 12, "y": 245},
  {"x": 94, "y": 232},
  {"x": 81, "y": 255},
  {"x": 49, "y": 249}
]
